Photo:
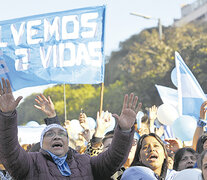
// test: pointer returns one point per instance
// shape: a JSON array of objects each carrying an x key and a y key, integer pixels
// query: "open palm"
[
  {"x": 7, "y": 101},
  {"x": 129, "y": 110}
]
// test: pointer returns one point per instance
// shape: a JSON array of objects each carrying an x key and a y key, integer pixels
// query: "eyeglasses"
[{"x": 52, "y": 134}]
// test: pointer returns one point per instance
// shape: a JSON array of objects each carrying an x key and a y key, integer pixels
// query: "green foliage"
[
  {"x": 27, "y": 112},
  {"x": 113, "y": 97},
  {"x": 143, "y": 60},
  {"x": 76, "y": 96}
]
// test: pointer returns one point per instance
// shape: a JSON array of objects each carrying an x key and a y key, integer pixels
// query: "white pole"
[{"x": 65, "y": 103}]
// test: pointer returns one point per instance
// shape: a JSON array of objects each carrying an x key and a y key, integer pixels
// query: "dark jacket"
[{"x": 40, "y": 166}]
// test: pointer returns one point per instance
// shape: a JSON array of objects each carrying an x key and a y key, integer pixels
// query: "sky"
[{"x": 120, "y": 25}]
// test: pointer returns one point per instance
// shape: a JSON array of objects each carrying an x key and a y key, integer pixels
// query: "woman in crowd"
[
  {"x": 152, "y": 155},
  {"x": 203, "y": 162},
  {"x": 184, "y": 158},
  {"x": 201, "y": 144},
  {"x": 55, "y": 160},
  {"x": 200, "y": 147}
]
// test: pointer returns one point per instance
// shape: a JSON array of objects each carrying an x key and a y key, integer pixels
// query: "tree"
[
  {"x": 143, "y": 60},
  {"x": 76, "y": 97},
  {"x": 27, "y": 112}
]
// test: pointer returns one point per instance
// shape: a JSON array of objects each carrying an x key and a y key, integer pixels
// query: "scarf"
[{"x": 61, "y": 164}]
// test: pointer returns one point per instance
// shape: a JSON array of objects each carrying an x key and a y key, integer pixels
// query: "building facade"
[{"x": 196, "y": 11}]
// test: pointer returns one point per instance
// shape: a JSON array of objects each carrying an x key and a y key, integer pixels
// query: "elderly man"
[{"x": 55, "y": 160}]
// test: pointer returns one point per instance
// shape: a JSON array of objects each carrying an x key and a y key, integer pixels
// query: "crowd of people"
[{"x": 137, "y": 148}]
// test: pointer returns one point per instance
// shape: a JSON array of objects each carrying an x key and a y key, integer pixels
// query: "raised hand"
[
  {"x": 203, "y": 110},
  {"x": 153, "y": 113},
  {"x": 45, "y": 105},
  {"x": 86, "y": 134},
  {"x": 128, "y": 114},
  {"x": 7, "y": 101},
  {"x": 173, "y": 145},
  {"x": 103, "y": 122},
  {"x": 152, "y": 117},
  {"x": 83, "y": 122}
]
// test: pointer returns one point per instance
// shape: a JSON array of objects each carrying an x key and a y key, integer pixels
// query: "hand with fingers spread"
[
  {"x": 203, "y": 110},
  {"x": 45, "y": 105},
  {"x": 128, "y": 114},
  {"x": 103, "y": 121},
  {"x": 7, "y": 101}
]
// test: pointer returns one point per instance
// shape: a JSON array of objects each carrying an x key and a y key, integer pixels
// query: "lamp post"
[{"x": 148, "y": 17}]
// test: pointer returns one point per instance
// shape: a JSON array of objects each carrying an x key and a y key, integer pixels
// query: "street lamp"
[{"x": 149, "y": 17}]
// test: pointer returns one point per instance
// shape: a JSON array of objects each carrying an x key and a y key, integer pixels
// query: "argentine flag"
[
  {"x": 190, "y": 94},
  {"x": 168, "y": 95}
]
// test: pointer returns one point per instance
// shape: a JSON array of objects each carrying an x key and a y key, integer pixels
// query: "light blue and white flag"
[
  {"x": 190, "y": 94},
  {"x": 168, "y": 95},
  {"x": 60, "y": 47}
]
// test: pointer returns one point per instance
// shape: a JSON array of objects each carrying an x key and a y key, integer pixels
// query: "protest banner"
[{"x": 61, "y": 47}]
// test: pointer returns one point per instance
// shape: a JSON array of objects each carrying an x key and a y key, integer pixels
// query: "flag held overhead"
[{"x": 190, "y": 94}]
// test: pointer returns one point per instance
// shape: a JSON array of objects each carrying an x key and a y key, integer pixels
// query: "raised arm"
[
  {"x": 105, "y": 164},
  {"x": 95, "y": 146},
  {"x": 13, "y": 156},
  {"x": 200, "y": 124},
  {"x": 84, "y": 124},
  {"x": 152, "y": 117}
]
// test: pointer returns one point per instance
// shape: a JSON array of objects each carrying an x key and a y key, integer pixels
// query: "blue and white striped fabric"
[
  {"x": 168, "y": 95},
  {"x": 190, "y": 94},
  {"x": 168, "y": 132}
]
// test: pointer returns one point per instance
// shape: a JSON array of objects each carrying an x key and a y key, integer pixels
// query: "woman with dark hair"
[
  {"x": 203, "y": 162},
  {"x": 201, "y": 144},
  {"x": 200, "y": 147},
  {"x": 152, "y": 155},
  {"x": 184, "y": 158}
]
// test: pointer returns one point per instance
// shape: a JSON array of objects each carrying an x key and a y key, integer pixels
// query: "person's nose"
[
  {"x": 151, "y": 148},
  {"x": 189, "y": 161},
  {"x": 57, "y": 136}
]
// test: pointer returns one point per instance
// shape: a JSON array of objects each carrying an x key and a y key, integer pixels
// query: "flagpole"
[
  {"x": 101, "y": 97},
  {"x": 65, "y": 103}
]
